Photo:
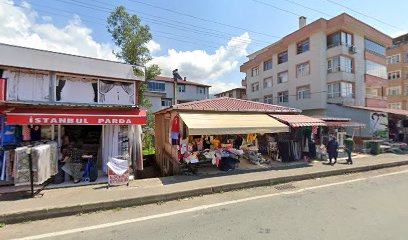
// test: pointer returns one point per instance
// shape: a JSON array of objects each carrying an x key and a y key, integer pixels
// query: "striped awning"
[{"x": 298, "y": 120}]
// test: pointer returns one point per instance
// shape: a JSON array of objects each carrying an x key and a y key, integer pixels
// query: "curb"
[{"x": 19, "y": 217}]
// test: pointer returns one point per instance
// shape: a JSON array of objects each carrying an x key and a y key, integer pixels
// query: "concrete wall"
[
  {"x": 356, "y": 115},
  {"x": 29, "y": 58}
]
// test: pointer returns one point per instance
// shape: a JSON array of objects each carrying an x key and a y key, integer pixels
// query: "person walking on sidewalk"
[
  {"x": 332, "y": 148},
  {"x": 349, "y": 144}
]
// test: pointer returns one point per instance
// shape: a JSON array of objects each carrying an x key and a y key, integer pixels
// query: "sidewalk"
[{"x": 70, "y": 201}]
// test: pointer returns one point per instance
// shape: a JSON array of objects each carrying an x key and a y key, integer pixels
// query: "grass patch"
[{"x": 2, "y": 225}]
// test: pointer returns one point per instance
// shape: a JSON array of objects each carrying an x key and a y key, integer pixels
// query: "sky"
[{"x": 206, "y": 40}]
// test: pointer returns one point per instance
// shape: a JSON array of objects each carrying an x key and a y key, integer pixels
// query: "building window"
[
  {"x": 303, "y": 92},
  {"x": 340, "y": 89},
  {"x": 395, "y": 105},
  {"x": 283, "y": 77},
  {"x": 394, "y": 91},
  {"x": 268, "y": 65},
  {"x": 302, "y": 47},
  {"x": 406, "y": 57},
  {"x": 267, "y": 82},
  {"x": 339, "y": 38},
  {"x": 339, "y": 64},
  {"x": 394, "y": 59},
  {"x": 255, "y": 100},
  {"x": 303, "y": 69},
  {"x": 181, "y": 88},
  {"x": 283, "y": 96},
  {"x": 255, "y": 71},
  {"x": 200, "y": 90},
  {"x": 166, "y": 102},
  {"x": 268, "y": 99},
  {"x": 371, "y": 93},
  {"x": 156, "y": 87},
  {"x": 406, "y": 90},
  {"x": 255, "y": 87},
  {"x": 394, "y": 75},
  {"x": 376, "y": 69},
  {"x": 283, "y": 57},
  {"x": 374, "y": 47}
]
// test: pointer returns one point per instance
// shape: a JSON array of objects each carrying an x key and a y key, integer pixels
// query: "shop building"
[
  {"x": 397, "y": 73},
  {"x": 224, "y": 131},
  {"x": 52, "y": 103},
  {"x": 341, "y": 60}
]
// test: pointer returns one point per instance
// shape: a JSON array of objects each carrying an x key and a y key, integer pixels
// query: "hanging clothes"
[
  {"x": 175, "y": 130},
  {"x": 26, "y": 133},
  {"x": 251, "y": 138},
  {"x": 110, "y": 144}
]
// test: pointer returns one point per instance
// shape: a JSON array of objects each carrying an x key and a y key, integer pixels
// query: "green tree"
[{"x": 131, "y": 38}]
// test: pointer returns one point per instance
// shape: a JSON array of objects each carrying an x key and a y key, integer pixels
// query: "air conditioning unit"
[{"x": 352, "y": 49}]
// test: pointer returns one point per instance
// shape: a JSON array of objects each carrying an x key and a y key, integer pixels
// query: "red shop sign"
[{"x": 75, "y": 119}]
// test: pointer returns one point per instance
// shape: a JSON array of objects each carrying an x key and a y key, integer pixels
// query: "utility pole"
[{"x": 176, "y": 76}]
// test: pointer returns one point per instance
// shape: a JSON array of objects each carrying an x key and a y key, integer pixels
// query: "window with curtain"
[
  {"x": 115, "y": 92},
  {"x": 27, "y": 86},
  {"x": 376, "y": 69},
  {"x": 76, "y": 90}
]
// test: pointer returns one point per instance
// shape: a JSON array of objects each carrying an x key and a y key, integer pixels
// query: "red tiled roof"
[
  {"x": 299, "y": 120},
  {"x": 167, "y": 79},
  {"x": 385, "y": 110},
  {"x": 226, "y": 104}
]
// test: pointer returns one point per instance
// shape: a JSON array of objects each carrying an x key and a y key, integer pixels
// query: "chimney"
[
  {"x": 185, "y": 78},
  {"x": 302, "y": 22}
]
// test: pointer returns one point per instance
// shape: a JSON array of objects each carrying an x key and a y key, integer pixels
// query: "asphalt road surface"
[{"x": 370, "y": 205}]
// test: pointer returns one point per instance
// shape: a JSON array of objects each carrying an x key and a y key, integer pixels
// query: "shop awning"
[
  {"x": 75, "y": 117},
  {"x": 299, "y": 120},
  {"x": 344, "y": 124},
  {"x": 231, "y": 123}
]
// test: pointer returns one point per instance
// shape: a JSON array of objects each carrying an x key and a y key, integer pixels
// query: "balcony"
[
  {"x": 342, "y": 100},
  {"x": 340, "y": 76},
  {"x": 337, "y": 50}
]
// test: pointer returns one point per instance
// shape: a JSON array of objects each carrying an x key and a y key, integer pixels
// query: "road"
[{"x": 370, "y": 205}]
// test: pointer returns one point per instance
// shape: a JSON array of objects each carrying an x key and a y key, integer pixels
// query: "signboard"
[
  {"x": 115, "y": 179},
  {"x": 61, "y": 119},
  {"x": 379, "y": 125}
]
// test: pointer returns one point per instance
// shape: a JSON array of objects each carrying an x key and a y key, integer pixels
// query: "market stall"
[
  {"x": 219, "y": 132},
  {"x": 67, "y": 144},
  {"x": 300, "y": 143}
]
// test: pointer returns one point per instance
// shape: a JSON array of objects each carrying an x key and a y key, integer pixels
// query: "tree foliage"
[{"x": 131, "y": 38}]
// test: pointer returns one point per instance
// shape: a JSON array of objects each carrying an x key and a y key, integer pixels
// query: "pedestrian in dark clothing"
[
  {"x": 332, "y": 148},
  {"x": 349, "y": 144}
]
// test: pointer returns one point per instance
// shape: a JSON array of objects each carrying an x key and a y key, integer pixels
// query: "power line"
[
  {"x": 104, "y": 24},
  {"x": 163, "y": 23},
  {"x": 203, "y": 19},
  {"x": 365, "y": 15},
  {"x": 281, "y": 9},
  {"x": 315, "y": 10}
]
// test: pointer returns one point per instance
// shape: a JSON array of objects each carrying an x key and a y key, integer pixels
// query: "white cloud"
[
  {"x": 202, "y": 67},
  {"x": 21, "y": 26},
  {"x": 398, "y": 33},
  {"x": 153, "y": 46}
]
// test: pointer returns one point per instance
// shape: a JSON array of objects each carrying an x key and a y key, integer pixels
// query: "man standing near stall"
[{"x": 349, "y": 144}]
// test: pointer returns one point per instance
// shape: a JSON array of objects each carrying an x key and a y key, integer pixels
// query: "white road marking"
[{"x": 199, "y": 208}]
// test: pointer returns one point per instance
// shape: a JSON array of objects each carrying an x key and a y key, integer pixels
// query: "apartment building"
[
  {"x": 397, "y": 72},
  {"x": 239, "y": 93},
  {"x": 340, "y": 60},
  {"x": 161, "y": 92}
]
